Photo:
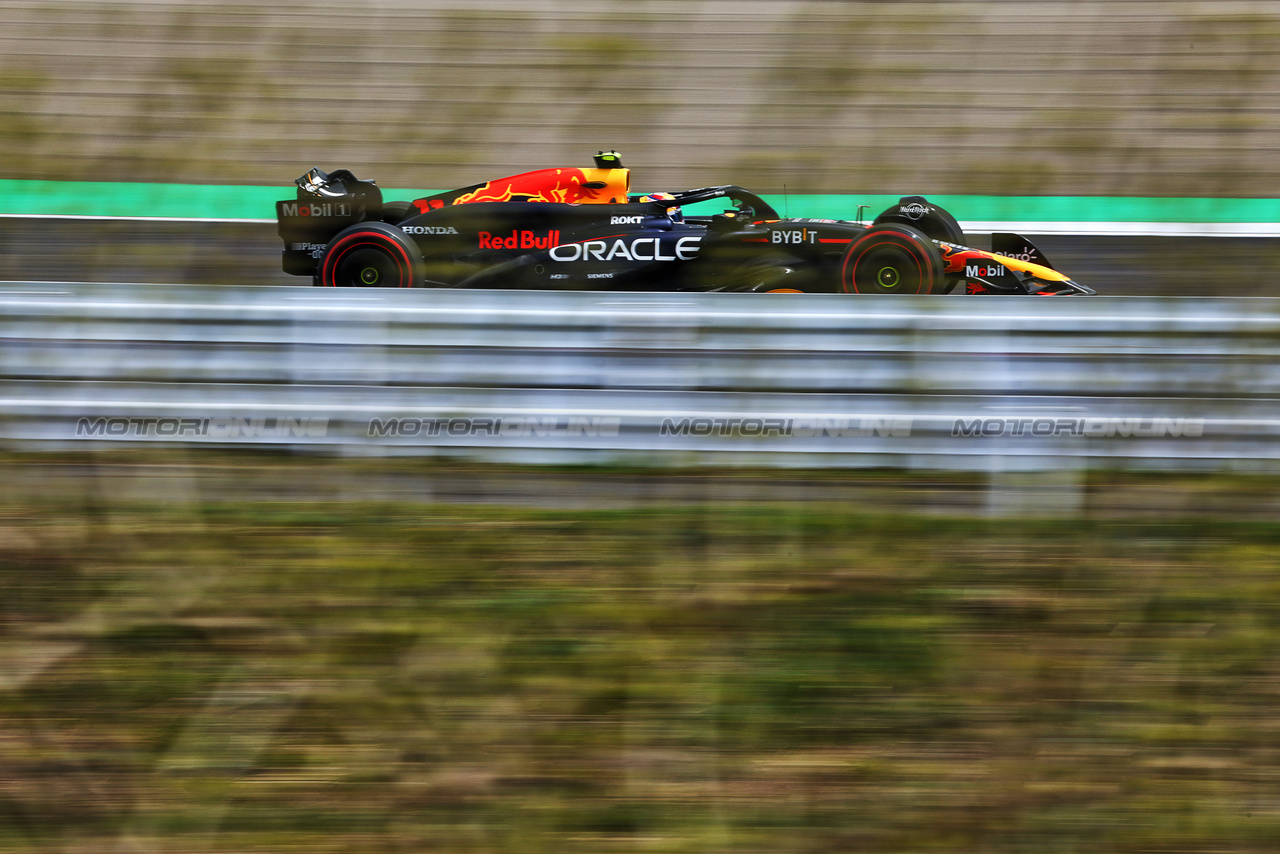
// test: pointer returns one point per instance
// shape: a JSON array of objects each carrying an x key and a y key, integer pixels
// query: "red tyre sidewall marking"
[
  {"x": 847, "y": 274},
  {"x": 365, "y": 238}
]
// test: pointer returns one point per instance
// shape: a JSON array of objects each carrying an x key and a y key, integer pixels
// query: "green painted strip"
[
  {"x": 164, "y": 201},
  {"x": 1078, "y": 209},
  {"x": 159, "y": 201},
  {"x": 213, "y": 201}
]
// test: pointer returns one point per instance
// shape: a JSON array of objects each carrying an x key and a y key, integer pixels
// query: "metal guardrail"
[{"x": 921, "y": 382}]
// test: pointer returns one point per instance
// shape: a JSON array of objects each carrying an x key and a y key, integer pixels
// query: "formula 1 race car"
[{"x": 582, "y": 229}]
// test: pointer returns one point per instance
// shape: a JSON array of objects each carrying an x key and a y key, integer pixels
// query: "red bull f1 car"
[{"x": 576, "y": 228}]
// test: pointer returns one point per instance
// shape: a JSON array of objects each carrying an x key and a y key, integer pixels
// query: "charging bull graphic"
[{"x": 562, "y": 186}]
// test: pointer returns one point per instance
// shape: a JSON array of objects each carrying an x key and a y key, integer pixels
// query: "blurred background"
[
  {"x": 223, "y": 650},
  {"x": 1141, "y": 98},
  {"x": 1052, "y": 98}
]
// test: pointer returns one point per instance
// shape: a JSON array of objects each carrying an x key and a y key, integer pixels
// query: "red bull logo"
[{"x": 520, "y": 240}]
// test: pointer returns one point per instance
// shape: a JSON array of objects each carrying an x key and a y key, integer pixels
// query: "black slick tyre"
[
  {"x": 919, "y": 213},
  {"x": 396, "y": 212},
  {"x": 371, "y": 255},
  {"x": 892, "y": 259}
]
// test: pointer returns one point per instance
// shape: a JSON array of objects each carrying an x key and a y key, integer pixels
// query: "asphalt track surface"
[{"x": 249, "y": 253}]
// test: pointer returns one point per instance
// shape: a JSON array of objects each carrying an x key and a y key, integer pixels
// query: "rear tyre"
[
  {"x": 396, "y": 212},
  {"x": 371, "y": 255},
  {"x": 892, "y": 259}
]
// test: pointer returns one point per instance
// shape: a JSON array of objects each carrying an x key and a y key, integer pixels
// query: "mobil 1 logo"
[{"x": 992, "y": 273}]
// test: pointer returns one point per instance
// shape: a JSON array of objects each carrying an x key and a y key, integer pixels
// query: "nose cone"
[{"x": 1062, "y": 288}]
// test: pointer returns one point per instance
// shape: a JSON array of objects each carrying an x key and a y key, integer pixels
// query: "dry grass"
[{"x": 230, "y": 676}]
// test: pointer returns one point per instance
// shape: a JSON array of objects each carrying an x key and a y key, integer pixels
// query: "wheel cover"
[
  {"x": 367, "y": 260},
  {"x": 888, "y": 277},
  {"x": 889, "y": 263},
  {"x": 366, "y": 267},
  {"x": 888, "y": 269}
]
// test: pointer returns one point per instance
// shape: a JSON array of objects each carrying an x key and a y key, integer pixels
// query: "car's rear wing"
[{"x": 326, "y": 203}]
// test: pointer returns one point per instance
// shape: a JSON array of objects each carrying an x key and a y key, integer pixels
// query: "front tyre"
[
  {"x": 371, "y": 255},
  {"x": 892, "y": 259}
]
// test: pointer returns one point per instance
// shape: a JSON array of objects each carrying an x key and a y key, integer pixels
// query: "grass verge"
[{"x": 339, "y": 676}]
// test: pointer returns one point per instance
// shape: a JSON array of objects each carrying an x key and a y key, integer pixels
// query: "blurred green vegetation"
[{"x": 231, "y": 675}]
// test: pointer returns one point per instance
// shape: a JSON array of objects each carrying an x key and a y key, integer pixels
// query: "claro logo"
[
  {"x": 635, "y": 249},
  {"x": 1026, "y": 254}
]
